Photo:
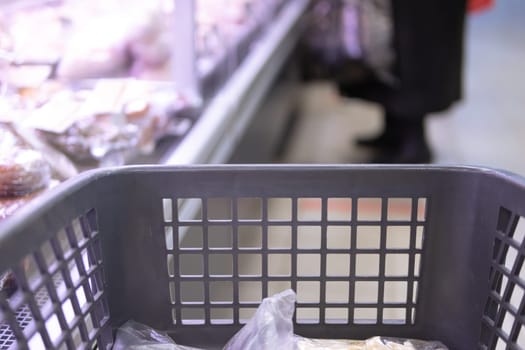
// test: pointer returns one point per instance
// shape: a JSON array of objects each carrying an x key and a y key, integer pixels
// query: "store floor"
[{"x": 486, "y": 128}]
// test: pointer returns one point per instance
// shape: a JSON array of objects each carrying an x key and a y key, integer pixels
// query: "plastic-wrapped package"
[
  {"x": 376, "y": 343},
  {"x": 84, "y": 39},
  {"x": 30, "y": 58},
  {"x": 94, "y": 51},
  {"x": 16, "y": 109},
  {"x": 108, "y": 44},
  {"x": 22, "y": 170},
  {"x": 25, "y": 171},
  {"x": 149, "y": 106},
  {"x": 20, "y": 22},
  {"x": 136, "y": 336},
  {"x": 270, "y": 328},
  {"x": 151, "y": 43},
  {"x": 94, "y": 138},
  {"x": 9, "y": 205},
  {"x": 107, "y": 117},
  {"x": 62, "y": 168},
  {"x": 8, "y": 284},
  {"x": 24, "y": 76},
  {"x": 8, "y": 140}
]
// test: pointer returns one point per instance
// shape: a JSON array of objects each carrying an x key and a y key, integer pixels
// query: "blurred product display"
[
  {"x": 85, "y": 39},
  {"x": 24, "y": 172},
  {"x": 84, "y": 86},
  {"x": 229, "y": 26},
  {"x": 109, "y": 116}
]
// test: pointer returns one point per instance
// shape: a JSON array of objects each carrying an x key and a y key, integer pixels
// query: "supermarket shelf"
[{"x": 217, "y": 132}]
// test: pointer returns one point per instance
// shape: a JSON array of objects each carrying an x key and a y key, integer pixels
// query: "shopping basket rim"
[{"x": 54, "y": 196}]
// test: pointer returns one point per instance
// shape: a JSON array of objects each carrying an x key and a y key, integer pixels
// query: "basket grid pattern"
[
  {"x": 350, "y": 260},
  {"x": 504, "y": 316},
  {"x": 58, "y": 301}
]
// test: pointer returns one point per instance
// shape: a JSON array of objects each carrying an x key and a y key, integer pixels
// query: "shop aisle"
[{"x": 487, "y": 128}]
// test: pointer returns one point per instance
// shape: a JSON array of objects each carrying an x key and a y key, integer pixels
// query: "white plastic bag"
[
  {"x": 270, "y": 328},
  {"x": 136, "y": 336}
]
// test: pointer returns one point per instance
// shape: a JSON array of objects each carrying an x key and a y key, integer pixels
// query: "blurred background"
[
  {"x": 251, "y": 81},
  {"x": 486, "y": 128},
  {"x": 87, "y": 84}
]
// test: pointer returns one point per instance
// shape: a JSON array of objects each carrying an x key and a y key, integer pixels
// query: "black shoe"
[{"x": 412, "y": 147}]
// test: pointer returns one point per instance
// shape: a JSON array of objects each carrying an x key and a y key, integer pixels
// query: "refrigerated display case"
[
  {"x": 91, "y": 83},
  {"x": 225, "y": 33},
  {"x": 71, "y": 40}
]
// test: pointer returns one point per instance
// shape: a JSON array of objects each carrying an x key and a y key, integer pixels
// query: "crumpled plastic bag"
[
  {"x": 270, "y": 328},
  {"x": 136, "y": 336}
]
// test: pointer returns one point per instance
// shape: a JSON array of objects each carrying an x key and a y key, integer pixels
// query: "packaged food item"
[
  {"x": 135, "y": 336},
  {"x": 9, "y": 205},
  {"x": 62, "y": 168},
  {"x": 151, "y": 42},
  {"x": 91, "y": 121},
  {"x": 105, "y": 117},
  {"x": 375, "y": 343},
  {"x": 84, "y": 40},
  {"x": 95, "y": 50},
  {"x": 26, "y": 76},
  {"x": 25, "y": 172},
  {"x": 93, "y": 138},
  {"x": 30, "y": 59},
  {"x": 21, "y": 21},
  {"x": 107, "y": 44},
  {"x": 270, "y": 328},
  {"x": 22, "y": 170},
  {"x": 8, "y": 284}
]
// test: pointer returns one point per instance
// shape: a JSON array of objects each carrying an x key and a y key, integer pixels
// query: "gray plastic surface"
[{"x": 110, "y": 246}]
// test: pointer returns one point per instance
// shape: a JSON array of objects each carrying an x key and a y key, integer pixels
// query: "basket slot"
[
  {"x": 58, "y": 299},
  {"x": 350, "y": 260},
  {"x": 503, "y": 323}
]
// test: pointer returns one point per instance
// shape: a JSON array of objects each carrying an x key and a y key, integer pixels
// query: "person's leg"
[{"x": 410, "y": 145}]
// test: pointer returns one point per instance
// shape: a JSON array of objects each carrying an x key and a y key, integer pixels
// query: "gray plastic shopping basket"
[{"x": 421, "y": 252}]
